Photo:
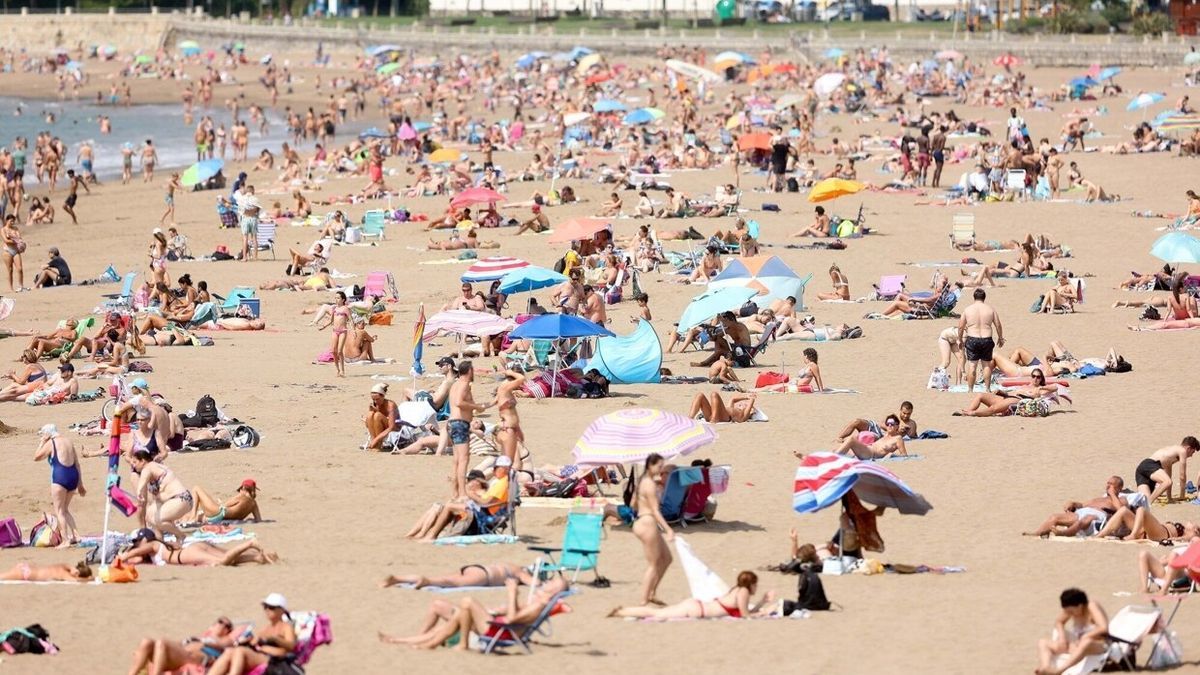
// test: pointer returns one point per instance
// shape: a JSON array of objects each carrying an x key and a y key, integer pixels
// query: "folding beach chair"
[
  {"x": 890, "y": 286},
  {"x": 373, "y": 224},
  {"x": 942, "y": 307},
  {"x": 312, "y": 631},
  {"x": 266, "y": 236},
  {"x": 501, "y": 635},
  {"x": 81, "y": 326},
  {"x": 1126, "y": 631},
  {"x": 580, "y": 549},
  {"x": 230, "y": 303},
  {"x": 122, "y": 301},
  {"x": 204, "y": 313},
  {"x": 1014, "y": 181},
  {"x": 375, "y": 284},
  {"x": 962, "y": 234},
  {"x": 768, "y": 334}
]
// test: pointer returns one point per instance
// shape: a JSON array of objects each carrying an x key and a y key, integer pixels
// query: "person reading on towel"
[
  {"x": 1080, "y": 630},
  {"x": 735, "y": 603}
]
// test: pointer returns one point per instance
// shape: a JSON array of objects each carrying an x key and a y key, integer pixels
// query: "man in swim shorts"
[
  {"x": 462, "y": 410},
  {"x": 1153, "y": 475},
  {"x": 978, "y": 324}
]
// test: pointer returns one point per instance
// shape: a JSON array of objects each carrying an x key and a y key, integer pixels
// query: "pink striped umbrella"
[
  {"x": 466, "y": 322},
  {"x": 477, "y": 195},
  {"x": 490, "y": 269},
  {"x": 632, "y": 434}
]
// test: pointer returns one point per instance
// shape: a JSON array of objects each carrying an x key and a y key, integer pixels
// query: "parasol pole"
[{"x": 114, "y": 465}]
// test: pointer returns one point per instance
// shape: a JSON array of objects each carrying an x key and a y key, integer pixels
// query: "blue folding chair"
[
  {"x": 373, "y": 224},
  {"x": 580, "y": 549},
  {"x": 124, "y": 299},
  {"x": 229, "y": 304}
]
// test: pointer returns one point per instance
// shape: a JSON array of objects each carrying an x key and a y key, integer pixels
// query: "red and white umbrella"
[
  {"x": 466, "y": 322},
  {"x": 1007, "y": 60},
  {"x": 476, "y": 195},
  {"x": 823, "y": 478},
  {"x": 491, "y": 269}
]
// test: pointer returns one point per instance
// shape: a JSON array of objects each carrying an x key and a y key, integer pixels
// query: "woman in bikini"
[
  {"x": 255, "y": 651},
  {"x": 1062, "y": 296},
  {"x": 496, "y": 574},
  {"x": 29, "y": 379},
  {"x": 340, "y": 320},
  {"x": 736, "y": 603},
  {"x": 1000, "y": 404},
  {"x": 60, "y": 572},
  {"x": 172, "y": 500},
  {"x": 65, "y": 479},
  {"x": 13, "y": 248},
  {"x": 158, "y": 257},
  {"x": 651, "y": 528},
  {"x": 242, "y": 505},
  {"x": 714, "y": 409},
  {"x": 165, "y": 654},
  {"x": 148, "y": 549},
  {"x": 509, "y": 430},
  {"x": 1180, "y": 303},
  {"x": 841, "y": 286}
]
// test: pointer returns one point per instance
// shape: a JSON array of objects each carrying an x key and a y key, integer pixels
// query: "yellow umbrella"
[
  {"x": 587, "y": 62},
  {"x": 734, "y": 121},
  {"x": 832, "y": 188},
  {"x": 445, "y": 155}
]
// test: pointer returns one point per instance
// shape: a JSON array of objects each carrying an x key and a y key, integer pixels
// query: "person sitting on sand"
[
  {"x": 713, "y": 409},
  {"x": 736, "y": 603},
  {"x": 612, "y": 207},
  {"x": 907, "y": 424},
  {"x": 27, "y": 380},
  {"x": 1180, "y": 304},
  {"x": 470, "y": 619},
  {"x": 473, "y": 575},
  {"x": 536, "y": 224},
  {"x": 59, "y": 339},
  {"x": 819, "y": 226},
  {"x": 359, "y": 344},
  {"x": 241, "y": 506},
  {"x": 56, "y": 388},
  {"x": 1082, "y": 519},
  {"x": 1157, "y": 574},
  {"x": 471, "y": 241},
  {"x": 891, "y": 443},
  {"x": 1080, "y": 630},
  {"x": 841, "y": 286},
  {"x": 161, "y": 655},
  {"x": 58, "y": 572},
  {"x": 147, "y": 549},
  {"x": 254, "y": 651},
  {"x": 317, "y": 281}
]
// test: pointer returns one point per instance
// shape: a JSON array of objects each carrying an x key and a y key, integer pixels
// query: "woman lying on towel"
[
  {"x": 163, "y": 655},
  {"x": 469, "y": 618},
  {"x": 26, "y": 572},
  {"x": 496, "y": 574},
  {"x": 148, "y": 550},
  {"x": 317, "y": 281},
  {"x": 1139, "y": 524},
  {"x": 1030, "y": 401},
  {"x": 888, "y": 445},
  {"x": 1173, "y": 324},
  {"x": 735, "y": 603}
]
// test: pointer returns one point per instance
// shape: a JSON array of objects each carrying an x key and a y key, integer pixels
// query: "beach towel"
[
  {"x": 588, "y": 503},
  {"x": 928, "y": 435},
  {"x": 705, "y": 584},
  {"x": 468, "y": 539},
  {"x": 449, "y": 589}
]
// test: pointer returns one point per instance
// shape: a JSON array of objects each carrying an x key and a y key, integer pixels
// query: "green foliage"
[{"x": 1152, "y": 24}]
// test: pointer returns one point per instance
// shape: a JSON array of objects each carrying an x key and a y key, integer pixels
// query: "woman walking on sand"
[
  {"x": 340, "y": 320},
  {"x": 65, "y": 479}
]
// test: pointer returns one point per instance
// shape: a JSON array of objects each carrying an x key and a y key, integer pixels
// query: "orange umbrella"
[
  {"x": 577, "y": 228},
  {"x": 756, "y": 141},
  {"x": 598, "y": 78}
]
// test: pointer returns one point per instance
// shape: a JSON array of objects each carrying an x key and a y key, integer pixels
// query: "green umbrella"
[
  {"x": 388, "y": 68},
  {"x": 142, "y": 58},
  {"x": 189, "y": 44},
  {"x": 201, "y": 171}
]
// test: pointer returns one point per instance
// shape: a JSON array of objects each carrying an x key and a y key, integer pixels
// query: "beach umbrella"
[
  {"x": 755, "y": 141},
  {"x": 834, "y": 53},
  {"x": 832, "y": 188},
  {"x": 108, "y": 51},
  {"x": 422, "y": 126},
  {"x": 823, "y": 478},
  {"x": 586, "y": 63},
  {"x": 1144, "y": 100},
  {"x": 529, "y": 278},
  {"x": 693, "y": 71},
  {"x": 491, "y": 269},
  {"x": 527, "y": 61},
  {"x": 388, "y": 68},
  {"x": 729, "y": 59},
  {"x": 643, "y": 116},
  {"x": 1177, "y": 247},
  {"x": 380, "y": 50},
  {"x": 372, "y": 132},
  {"x": 576, "y": 229},
  {"x": 466, "y": 322},
  {"x": 1007, "y": 61},
  {"x": 578, "y": 53},
  {"x": 929, "y": 65},
  {"x": 1085, "y": 82},
  {"x": 73, "y": 65},
  {"x": 1177, "y": 122},
  {"x": 712, "y": 303},
  {"x": 608, "y": 105},
  {"x": 556, "y": 326},
  {"x": 768, "y": 276},
  {"x": 631, "y": 435},
  {"x": 201, "y": 171},
  {"x": 1191, "y": 58},
  {"x": 477, "y": 195},
  {"x": 418, "y": 343},
  {"x": 142, "y": 58},
  {"x": 406, "y": 132},
  {"x": 1108, "y": 73},
  {"x": 573, "y": 118},
  {"x": 597, "y": 78},
  {"x": 788, "y": 100},
  {"x": 948, "y": 55},
  {"x": 446, "y": 155},
  {"x": 827, "y": 83}
]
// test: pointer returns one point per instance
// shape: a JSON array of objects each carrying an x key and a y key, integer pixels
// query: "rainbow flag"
[{"x": 418, "y": 342}]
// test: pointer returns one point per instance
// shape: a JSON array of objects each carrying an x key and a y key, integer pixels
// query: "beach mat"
[{"x": 467, "y": 540}]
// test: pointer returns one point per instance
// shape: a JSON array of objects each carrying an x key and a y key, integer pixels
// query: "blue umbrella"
[
  {"x": 705, "y": 307},
  {"x": 527, "y": 60},
  {"x": 1177, "y": 247},
  {"x": 1084, "y": 82},
  {"x": 383, "y": 49},
  {"x": 529, "y": 278},
  {"x": 834, "y": 53},
  {"x": 929, "y": 65},
  {"x": 1144, "y": 100},
  {"x": 555, "y": 326},
  {"x": 1108, "y": 73},
  {"x": 373, "y": 132},
  {"x": 608, "y": 105},
  {"x": 421, "y": 126},
  {"x": 578, "y": 53},
  {"x": 74, "y": 65}
]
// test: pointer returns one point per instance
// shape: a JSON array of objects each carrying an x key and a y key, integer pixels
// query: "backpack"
[
  {"x": 205, "y": 415},
  {"x": 793, "y": 185},
  {"x": 560, "y": 265},
  {"x": 10, "y": 533},
  {"x": 245, "y": 436},
  {"x": 810, "y": 593}
]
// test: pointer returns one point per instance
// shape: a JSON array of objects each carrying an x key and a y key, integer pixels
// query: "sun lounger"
[
  {"x": 230, "y": 303},
  {"x": 962, "y": 234},
  {"x": 265, "y": 235},
  {"x": 374, "y": 223},
  {"x": 890, "y": 286}
]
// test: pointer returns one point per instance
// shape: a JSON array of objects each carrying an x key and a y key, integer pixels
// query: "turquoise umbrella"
[
  {"x": 529, "y": 278},
  {"x": 706, "y": 306},
  {"x": 1177, "y": 247},
  {"x": 201, "y": 171}
]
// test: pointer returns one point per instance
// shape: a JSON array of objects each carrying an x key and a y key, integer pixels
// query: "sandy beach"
[{"x": 335, "y": 514}]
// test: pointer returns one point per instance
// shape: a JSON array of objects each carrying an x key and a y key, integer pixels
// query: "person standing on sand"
[
  {"x": 172, "y": 186},
  {"x": 149, "y": 159},
  {"x": 462, "y": 410},
  {"x": 976, "y": 328},
  {"x": 126, "y": 163},
  {"x": 73, "y": 184},
  {"x": 66, "y": 480}
]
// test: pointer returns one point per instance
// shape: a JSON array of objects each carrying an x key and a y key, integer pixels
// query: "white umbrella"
[
  {"x": 571, "y": 119},
  {"x": 827, "y": 83}
]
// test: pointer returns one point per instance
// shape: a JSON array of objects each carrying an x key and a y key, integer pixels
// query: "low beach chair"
[
  {"x": 940, "y": 308},
  {"x": 962, "y": 233},
  {"x": 230, "y": 303},
  {"x": 122, "y": 301},
  {"x": 501, "y": 635},
  {"x": 373, "y": 224},
  {"x": 376, "y": 284},
  {"x": 313, "y": 630},
  {"x": 266, "y": 236},
  {"x": 1014, "y": 181},
  {"x": 580, "y": 549},
  {"x": 81, "y": 327},
  {"x": 890, "y": 286}
]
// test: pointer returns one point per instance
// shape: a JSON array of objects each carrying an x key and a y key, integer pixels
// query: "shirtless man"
[
  {"x": 819, "y": 227},
  {"x": 937, "y": 147},
  {"x": 978, "y": 324},
  {"x": 709, "y": 267},
  {"x": 908, "y": 426},
  {"x": 1084, "y": 517},
  {"x": 736, "y": 332},
  {"x": 593, "y": 306},
  {"x": 891, "y": 443},
  {"x": 73, "y": 184},
  {"x": 1153, "y": 474},
  {"x": 462, "y": 410},
  {"x": 569, "y": 294}
]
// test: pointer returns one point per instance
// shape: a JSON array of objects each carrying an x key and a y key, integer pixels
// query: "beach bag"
[
  {"x": 205, "y": 414},
  {"x": 810, "y": 594},
  {"x": 10, "y": 533},
  {"x": 93, "y": 554},
  {"x": 939, "y": 379},
  {"x": 1032, "y": 407},
  {"x": 742, "y": 357},
  {"x": 748, "y": 309},
  {"x": 119, "y": 573},
  {"x": 44, "y": 533},
  {"x": 770, "y": 207},
  {"x": 793, "y": 185},
  {"x": 31, "y": 639},
  {"x": 245, "y": 436},
  {"x": 124, "y": 501},
  {"x": 613, "y": 295},
  {"x": 1167, "y": 652},
  {"x": 769, "y": 378},
  {"x": 1036, "y": 306},
  {"x": 380, "y": 319}
]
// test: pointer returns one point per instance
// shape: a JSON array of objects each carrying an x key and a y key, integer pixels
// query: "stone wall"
[{"x": 43, "y": 32}]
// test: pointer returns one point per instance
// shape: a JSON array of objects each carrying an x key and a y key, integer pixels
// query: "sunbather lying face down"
[{"x": 496, "y": 574}]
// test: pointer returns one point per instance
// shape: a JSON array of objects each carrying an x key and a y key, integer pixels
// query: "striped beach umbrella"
[
  {"x": 823, "y": 478},
  {"x": 1179, "y": 123},
  {"x": 630, "y": 435},
  {"x": 491, "y": 269},
  {"x": 466, "y": 322}
]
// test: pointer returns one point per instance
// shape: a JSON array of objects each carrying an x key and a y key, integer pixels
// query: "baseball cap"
[
  {"x": 275, "y": 600},
  {"x": 144, "y": 534},
  {"x": 140, "y": 383},
  {"x": 380, "y": 388},
  {"x": 445, "y": 361},
  {"x": 250, "y": 483}
]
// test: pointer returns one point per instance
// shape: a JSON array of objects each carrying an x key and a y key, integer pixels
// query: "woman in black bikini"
[{"x": 148, "y": 549}]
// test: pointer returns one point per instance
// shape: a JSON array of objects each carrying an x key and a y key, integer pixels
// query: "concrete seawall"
[{"x": 128, "y": 31}]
